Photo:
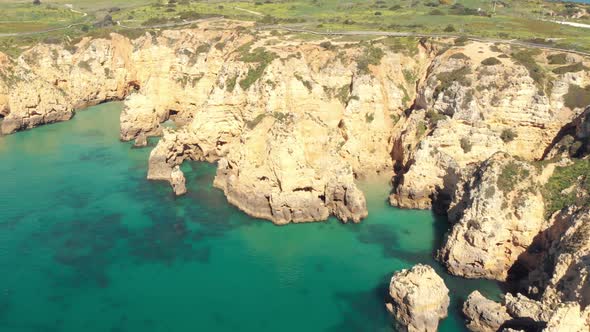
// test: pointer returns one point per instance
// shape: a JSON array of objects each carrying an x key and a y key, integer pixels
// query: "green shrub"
[
  {"x": 254, "y": 122},
  {"x": 344, "y": 94},
  {"x": 491, "y": 61},
  {"x": 511, "y": 174},
  {"x": 466, "y": 145},
  {"x": 220, "y": 46},
  {"x": 231, "y": 83},
  {"x": 155, "y": 21},
  {"x": 557, "y": 59},
  {"x": 508, "y": 135},
  {"x": 449, "y": 28},
  {"x": 526, "y": 58},
  {"x": 259, "y": 56},
  {"x": 434, "y": 117},
  {"x": 573, "y": 68},
  {"x": 85, "y": 65},
  {"x": 394, "y": 118},
  {"x": 372, "y": 55},
  {"x": 459, "y": 56},
  {"x": 562, "y": 179},
  {"x": 369, "y": 117},
  {"x": 461, "y": 41},
  {"x": 203, "y": 48},
  {"x": 305, "y": 82},
  {"x": 447, "y": 79},
  {"x": 410, "y": 76},
  {"x": 327, "y": 45},
  {"x": 577, "y": 97},
  {"x": 421, "y": 129}
]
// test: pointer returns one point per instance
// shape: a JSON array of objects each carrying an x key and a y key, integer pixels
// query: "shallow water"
[{"x": 88, "y": 244}]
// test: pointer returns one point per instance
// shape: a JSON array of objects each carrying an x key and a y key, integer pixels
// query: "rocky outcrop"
[
  {"x": 48, "y": 82},
  {"x": 475, "y": 108},
  {"x": 484, "y": 315},
  {"x": 558, "y": 290},
  {"x": 419, "y": 298},
  {"x": 573, "y": 140},
  {"x": 564, "y": 275},
  {"x": 523, "y": 314},
  {"x": 497, "y": 211},
  {"x": 178, "y": 181}
]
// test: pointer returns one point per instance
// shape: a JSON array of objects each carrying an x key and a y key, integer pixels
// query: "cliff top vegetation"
[{"x": 530, "y": 21}]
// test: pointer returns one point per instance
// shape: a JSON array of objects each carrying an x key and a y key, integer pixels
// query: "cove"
[{"x": 88, "y": 244}]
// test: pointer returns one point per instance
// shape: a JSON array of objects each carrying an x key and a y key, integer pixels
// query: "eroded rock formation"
[
  {"x": 419, "y": 298},
  {"x": 497, "y": 211},
  {"x": 558, "y": 294}
]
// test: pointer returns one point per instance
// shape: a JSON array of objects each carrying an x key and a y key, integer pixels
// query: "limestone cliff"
[
  {"x": 480, "y": 101},
  {"x": 293, "y": 123}
]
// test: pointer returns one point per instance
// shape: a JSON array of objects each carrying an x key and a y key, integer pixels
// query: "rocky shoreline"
[{"x": 496, "y": 138}]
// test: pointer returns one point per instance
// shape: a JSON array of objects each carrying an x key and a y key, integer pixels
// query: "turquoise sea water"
[{"x": 88, "y": 244}]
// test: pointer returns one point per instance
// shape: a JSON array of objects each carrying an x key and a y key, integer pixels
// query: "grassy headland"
[{"x": 525, "y": 20}]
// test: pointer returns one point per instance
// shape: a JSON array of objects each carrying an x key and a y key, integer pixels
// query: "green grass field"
[{"x": 511, "y": 19}]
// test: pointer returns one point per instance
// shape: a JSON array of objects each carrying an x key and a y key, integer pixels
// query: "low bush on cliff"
[
  {"x": 261, "y": 57},
  {"x": 231, "y": 83},
  {"x": 372, "y": 55},
  {"x": 537, "y": 73},
  {"x": 491, "y": 61},
  {"x": 421, "y": 129},
  {"x": 434, "y": 117},
  {"x": 573, "y": 68},
  {"x": 447, "y": 79},
  {"x": 557, "y": 59},
  {"x": 254, "y": 122},
  {"x": 577, "y": 240},
  {"x": 459, "y": 56},
  {"x": 85, "y": 65},
  {"x": 508, "y": 135},
  {"x": 305, "y": 82},
  {"x": 512, "y": 174},
  {"x": 577, "y": 97},
  {"x": 466, "y": 144},
  {"x": 566, "y": 187},
  {"x": 404, "y": 45}
]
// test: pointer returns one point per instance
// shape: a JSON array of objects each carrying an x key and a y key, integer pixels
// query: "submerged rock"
[{"x": 419, "y": 297}]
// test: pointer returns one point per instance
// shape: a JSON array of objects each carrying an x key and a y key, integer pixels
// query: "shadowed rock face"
[
  {"x": 497, "y": 211},
  {"x": 558, "y": 292},
  {"x": 419, "y": 298}
]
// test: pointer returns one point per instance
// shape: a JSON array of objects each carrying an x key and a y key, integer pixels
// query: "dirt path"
[{"x": 249, "y": 11}]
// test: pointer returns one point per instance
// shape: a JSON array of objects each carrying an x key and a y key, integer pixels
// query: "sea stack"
[{"x": 419, "y": 299}]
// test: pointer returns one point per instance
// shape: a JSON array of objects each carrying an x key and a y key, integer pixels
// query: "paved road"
[
  {"x": 329, "y": 33},
  {"x": 419, "y": 35},
  {"x": 166, "y": 25}
]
